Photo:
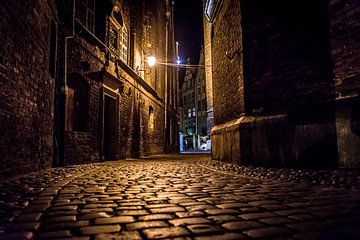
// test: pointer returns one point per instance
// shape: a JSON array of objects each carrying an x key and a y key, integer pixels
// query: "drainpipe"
[
  {"x": 66, "y": 90},
  {"x": 166, "y": 80}
]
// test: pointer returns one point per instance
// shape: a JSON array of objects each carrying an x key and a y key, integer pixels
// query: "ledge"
[{"x": 137, "y": 78}]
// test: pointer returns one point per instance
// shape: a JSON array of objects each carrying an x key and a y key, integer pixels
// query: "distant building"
[
  {"x": 286, "y": 81},
  {"x": 194, "y": 123},
  {"x": 76, "y": 85},
  {"x": 189, "y": 109},
  {"x": 201, "y": 104}
]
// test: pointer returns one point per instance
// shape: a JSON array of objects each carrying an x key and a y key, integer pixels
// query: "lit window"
[
  {"x": 189, "y": 113},
  {"x": 123, "y": 50},
  {"x": 193, "y": 112},
  {"x": 118, "y": 34},
  {"x": 86, "y": 14}
]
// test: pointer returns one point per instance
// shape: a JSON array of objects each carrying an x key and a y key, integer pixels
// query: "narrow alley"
[{"x": 180, "y": 197}]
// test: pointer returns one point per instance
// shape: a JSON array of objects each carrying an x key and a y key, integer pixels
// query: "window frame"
[{"x": 86, "y": 9}]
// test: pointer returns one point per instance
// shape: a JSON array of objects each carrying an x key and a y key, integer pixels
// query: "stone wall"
[
  {"x": 345, "y": 51},
  {"x": 82, "y": 58},
  {"x": 274, "y": 72},
  {"x": 286, "y": 55},
  {"x": 227, "y": 72},
  {"x": 208, "y": 74},
  {"x": 27, "y": 88}
]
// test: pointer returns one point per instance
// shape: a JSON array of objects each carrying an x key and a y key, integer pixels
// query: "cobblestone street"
[{"x": 180, "y": 197}]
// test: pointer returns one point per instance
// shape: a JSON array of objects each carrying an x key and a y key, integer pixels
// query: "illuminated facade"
[
  {"x": 194, "y": 100},
  {"x": 104, "y": 101},
  {"x": 137, "y": 103}
]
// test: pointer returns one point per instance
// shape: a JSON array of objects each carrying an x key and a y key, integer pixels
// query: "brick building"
[
  {"x": 82, "y": 90},
  {"x": 201, "y": 103},
  {"x": 26, "y": 85},
  {"x": 189, "y": 108},
  {"x": 285, "y": 78},
  {"x": 194, "y": 105}
]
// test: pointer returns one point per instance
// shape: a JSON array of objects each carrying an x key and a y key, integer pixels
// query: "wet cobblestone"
[{"x": 180, "y": 197}]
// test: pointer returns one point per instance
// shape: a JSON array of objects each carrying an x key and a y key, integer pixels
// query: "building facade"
[
  {"x": 189, "y": 109},
  {"x": 285, "y": 81},
  {"x": 201, "y": 104},
  {"x": 92, "y": 95},
  {"x": 194, "y": 106}
]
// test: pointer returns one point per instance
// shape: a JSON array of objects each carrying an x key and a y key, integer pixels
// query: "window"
[
  {"x": 117, "y": 16},
  {"x": 123, "y": 44},
  {"x": 189, "y": 112},
  {"x": 78, "y": 104},
  {"x": 193, "y": 112},
  {"x": 86, "y": 14},
  {"x": 118, "y": 35}
]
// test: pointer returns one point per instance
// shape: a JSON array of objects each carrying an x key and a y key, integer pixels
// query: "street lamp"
[{"x": 151, "y": 60}]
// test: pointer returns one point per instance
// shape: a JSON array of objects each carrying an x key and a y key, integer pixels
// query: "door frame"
[{"x": 107, "y": 92}]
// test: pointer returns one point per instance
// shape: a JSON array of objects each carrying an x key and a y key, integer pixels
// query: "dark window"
[
  {"x": 118, "y": 17},
  {"x": 52, "y": 56},
  {"x": 78, "y": 104},
  {"x": 86, "y": 14}
]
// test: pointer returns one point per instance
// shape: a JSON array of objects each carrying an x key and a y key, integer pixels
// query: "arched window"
[
  {"x": 116, "y": 16},
  {"x": 118, "y": 34}
]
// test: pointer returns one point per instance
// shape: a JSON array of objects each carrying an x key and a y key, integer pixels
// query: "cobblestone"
[{"x": 180, "y": 197}]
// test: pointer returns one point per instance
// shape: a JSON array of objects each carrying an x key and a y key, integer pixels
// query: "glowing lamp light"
[
  {"x": 178, "y": 61},
  {"x": 151, "y": 61}
]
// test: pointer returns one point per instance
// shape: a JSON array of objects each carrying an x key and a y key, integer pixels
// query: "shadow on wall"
[
  {"x": 319, "y": 136},
  {"x": 322, "y": 154}
]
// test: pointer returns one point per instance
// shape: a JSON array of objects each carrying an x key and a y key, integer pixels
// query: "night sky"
[{"x": 189, "y": 29}]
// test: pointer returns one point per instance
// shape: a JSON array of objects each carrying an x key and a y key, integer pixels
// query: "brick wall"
[
  {"x": 26, "y": 96},
  {"x": 273, "y": 86},
  {"x": 345, "y": 52},
  {"x": 345, "y": 46},
  {"x": 208, "y": 74},
  {"x": 286, "y": 54},
  {"x": 84, "y": 146},
  {"x": 227, "y": 73},
  {"x": 135, "y": 137}
]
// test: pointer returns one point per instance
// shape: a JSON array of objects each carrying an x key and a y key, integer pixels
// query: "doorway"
[{"x": 110, "y": 127}]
